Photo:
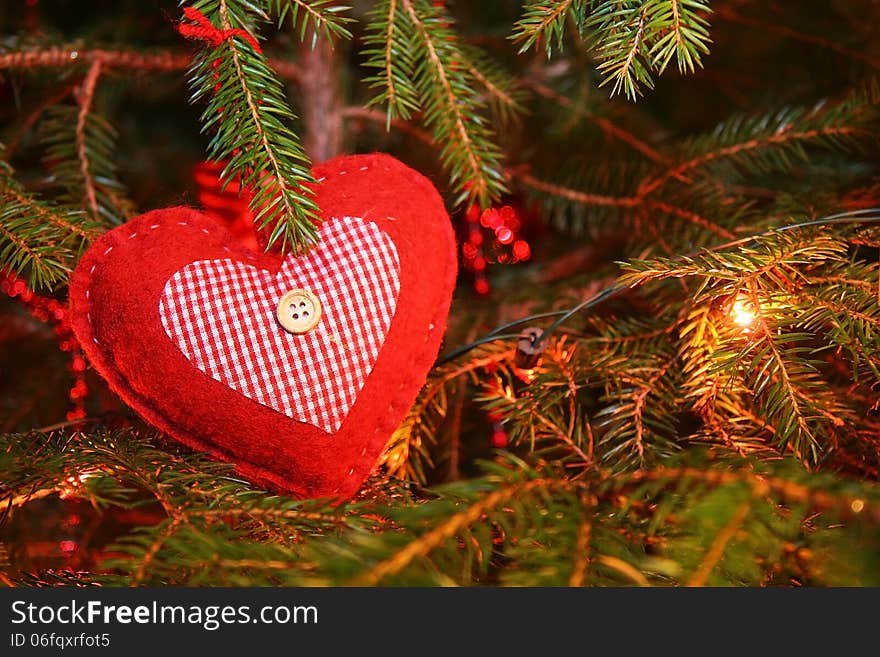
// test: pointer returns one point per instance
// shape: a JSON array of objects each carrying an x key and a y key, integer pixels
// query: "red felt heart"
[{"x": 181, "y": 321}]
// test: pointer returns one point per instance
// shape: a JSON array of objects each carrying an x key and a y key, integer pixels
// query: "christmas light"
[
  {"x": 742, "y": 313},
  {"x": 70, "y": 485}
]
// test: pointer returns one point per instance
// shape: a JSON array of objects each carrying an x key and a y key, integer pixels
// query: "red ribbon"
[{"x": 202, "y": 29}]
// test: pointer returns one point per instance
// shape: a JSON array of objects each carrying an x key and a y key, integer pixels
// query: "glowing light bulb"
[{"x": 743, "y": 313}]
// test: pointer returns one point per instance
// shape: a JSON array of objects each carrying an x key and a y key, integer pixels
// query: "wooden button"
[{"x": 299, "y": 311}]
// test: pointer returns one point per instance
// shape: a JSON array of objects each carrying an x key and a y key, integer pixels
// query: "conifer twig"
[
  {"x": 164, "y": 61},
  {"x": 85, "y": 97}
]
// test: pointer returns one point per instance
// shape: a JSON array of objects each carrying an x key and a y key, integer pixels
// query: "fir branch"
[
  {"x": 449, "y": 528},
  {"x": 86, "y": 98},
  {"x": 729, "y": 14},
  {"x": 582, "y": 553},
  {"x": 32, "y": 118},
  {"x": 69, "y": 56},
  {"x": 691, "y": 217},
  {"x": 246, "y": 107},
  {"x": 38, "y": 241},
  {"x": 545, "y": 21},
  {"x": 687, "y": 34},
  {"x": 502, "y": 89},
  {"x": 574, "y": 195},
  {"x": 456, "y": 534},
  {"x": 787, "y": 381},
  {"x": 388, "y": 50},
  {"x": 408, "y": 453},
  {"x": 80, "y": 156},
  {"x": 633, "y": 432},
  {"x": 606, "y": 125},
  {"x": 544, "y": 415},
  {"x": 421, "y": 66},
  {"x": 209, "y": 513},
  {"x": 774, "y": 141},
  {"x": 633, "y": 39},
  {"x": 467, "y": 149},
  {"x": 376, "y": 116},
  {"x": 319, "y": 16},
  {"x": 621, "y": 46},
  {"x": 161, "y": 61},
  {"x": 536, "y": 418}
]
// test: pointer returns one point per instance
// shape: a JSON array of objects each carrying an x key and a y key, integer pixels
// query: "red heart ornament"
[{"x": 297, "y": 370}]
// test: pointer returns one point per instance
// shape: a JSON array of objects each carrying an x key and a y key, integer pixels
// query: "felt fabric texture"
[{"x": 115, "y": 295}]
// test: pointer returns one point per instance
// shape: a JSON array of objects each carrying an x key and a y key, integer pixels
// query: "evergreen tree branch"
[
  {"x": 38, "y": 241},
  {"x": 582, "y": 552},
  {"x": 86, "y": 97},
  {"x": 322, "y": 16},
  {"x": 388, "y": 51},
  {"x": 691, "y": 217},
  {"x": 166, "y": 530},
  {"x": 784, "y": 138},
  {"x": 32, "y": 118},
  {"x": 161, "y": 61},
  {"x": 376, "y": 116},
  {"x": 481, "y": 171},
  {"x": 449, "y": 528},
  {"x": 542, "y": 20},
  {"x": 626, "y": 72},
  {"x": 687, "y": 36},
  {"x": 80, "y": 146},
  {"x": 407, "y": 454},
  {"x": 717, "y": 549},
  {"x": 730, "y": 14},
  {"x": 573, "y": 194},
  {"x": 250, "y": 135},
  {"x": 422, "y": 66},
  {"x": 607, "y": 126},
  {"x": 504, "y": 92}
]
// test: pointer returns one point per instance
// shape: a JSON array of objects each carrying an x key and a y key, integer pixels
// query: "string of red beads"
[
  {"x": 492, "y": 236},
  {"x": 52, "y": 311}
]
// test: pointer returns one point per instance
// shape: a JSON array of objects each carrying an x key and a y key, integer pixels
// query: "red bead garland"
[
  {"x": 50, "y": 310},
  {"x": 492, "y": 236}
]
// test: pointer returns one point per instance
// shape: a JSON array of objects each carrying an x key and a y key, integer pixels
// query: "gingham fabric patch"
[{"x": 222, "y": 316}]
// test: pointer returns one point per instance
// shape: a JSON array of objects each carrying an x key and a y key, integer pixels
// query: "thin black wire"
[
  {"x": 854, "y": 216},
  {"x": 458, "y": 351}
]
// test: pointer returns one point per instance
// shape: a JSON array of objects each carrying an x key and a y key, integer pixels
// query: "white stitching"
[{"x": 109, "y": 249}]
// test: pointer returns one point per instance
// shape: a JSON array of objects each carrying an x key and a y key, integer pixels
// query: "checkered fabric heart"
[{"x": 222, "y": 316}]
